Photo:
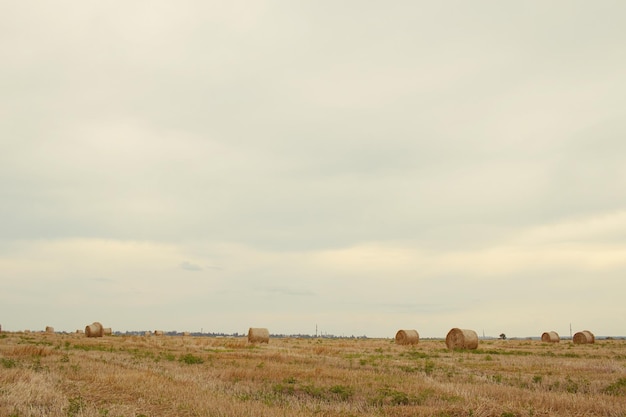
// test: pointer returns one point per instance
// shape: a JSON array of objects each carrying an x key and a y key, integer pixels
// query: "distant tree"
[{"x": 502, "y": 336}]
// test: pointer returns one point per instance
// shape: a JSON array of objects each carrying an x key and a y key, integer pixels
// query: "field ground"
[{"x": 134, "y": 376}]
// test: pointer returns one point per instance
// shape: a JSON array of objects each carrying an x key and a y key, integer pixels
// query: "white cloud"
[
  {"x": 352, "y": 165},
  {"x": 188, "y": 266}
]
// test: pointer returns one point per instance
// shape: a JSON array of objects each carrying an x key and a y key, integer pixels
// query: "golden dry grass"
[{"x": 71, "y": 375}]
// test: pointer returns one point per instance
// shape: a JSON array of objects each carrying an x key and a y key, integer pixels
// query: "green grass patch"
[
  {"x": 389, "y": 396},
  {"x": 8, "y": 363},
  {"x": 88, "y": 348},
  {"x": 616, "y": 388},
  {"x": 290, "y": 387},
  {"x": 499, "y": 352},
  {"x": 190, "y": 359},
  {"x": 75, "y": 407},
  {"x": 342, "y": 392},
  {"x": 416, "y": 354},
  {"x": 168, "y": 356}
]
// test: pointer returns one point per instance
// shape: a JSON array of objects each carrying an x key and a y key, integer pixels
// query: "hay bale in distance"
[
  {"x": 550, "y": 337},
  {"x": 186, "y": 334},
  {"x": 461, "y": 339},
  {"x": 49, "y": 329},
  {"x": 584, "y": 337},
  {"x": 158, "y": 332},
  {"x": 258, "y": 335},
  {"x": 407, "y": 337},
  {"x": 107, "y": 331},
  {"x": 593, "y": 337},
  {"x": 94, "y": 330}
]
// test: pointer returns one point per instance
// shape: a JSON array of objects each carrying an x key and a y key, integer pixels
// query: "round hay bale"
[
  {"x": 79, "y": 331},
  {"x": 94, "y": 330},
  {"x": 107, "y": 331},
  {"x": 550, "y": 337},
  {"x": 49, "y": 329},
  {"x": 147, "y": 333},
  {"x": 258, "y": 335},
  {"x": 186, "y": 334},
  {"x": 461, "y": 339},
  {"x": 584, "y": 337},
  {"x": 158, "y": 332},
  {"x": 407, "y": 337}
]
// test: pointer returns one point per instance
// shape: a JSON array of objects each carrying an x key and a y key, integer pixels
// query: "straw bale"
[
  {"x": 550, "y": 337},
  {"x": 407, "y": 337},
  {"x": 49, "y": 329},
  {"x": 94, "y": 330},
  {"x": 258, "y": 335},
  {"x": 584, "y": 337},
  {"x": 186, "y": 334},
  {"x": 158, "y": 332},
  {"x": 461, "y": 339},
  {"x": 107, "y": 331}
]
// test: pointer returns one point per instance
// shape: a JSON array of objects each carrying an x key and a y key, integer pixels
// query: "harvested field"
[{"x": 133, "y": 376}]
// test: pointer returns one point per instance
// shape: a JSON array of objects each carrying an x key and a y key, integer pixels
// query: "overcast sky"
[{"x": 358, "y": 166}]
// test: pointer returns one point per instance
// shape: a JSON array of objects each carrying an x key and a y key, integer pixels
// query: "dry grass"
[{"x": 72, "y": 375}]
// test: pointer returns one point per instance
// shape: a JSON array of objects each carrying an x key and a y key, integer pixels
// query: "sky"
[{"x": 351, "y": 168}]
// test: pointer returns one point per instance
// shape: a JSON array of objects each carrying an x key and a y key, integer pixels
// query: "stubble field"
[{"x": 70, "y": 375}]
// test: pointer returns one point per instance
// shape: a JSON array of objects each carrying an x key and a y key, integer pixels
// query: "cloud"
[
  {"x": 361, "y": 166},
  {"x": 188, "y": 266},
  {"x": 104, "y": 280},
  {"x": 607, "y": 227},
  {"x": 287, "y": 291}
]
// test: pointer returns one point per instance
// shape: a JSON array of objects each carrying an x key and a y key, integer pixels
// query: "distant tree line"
[{"x": 237, "y": 334}]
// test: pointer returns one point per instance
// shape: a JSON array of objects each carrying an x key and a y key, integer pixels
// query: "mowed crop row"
[{"x": 71, "y": 375}]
